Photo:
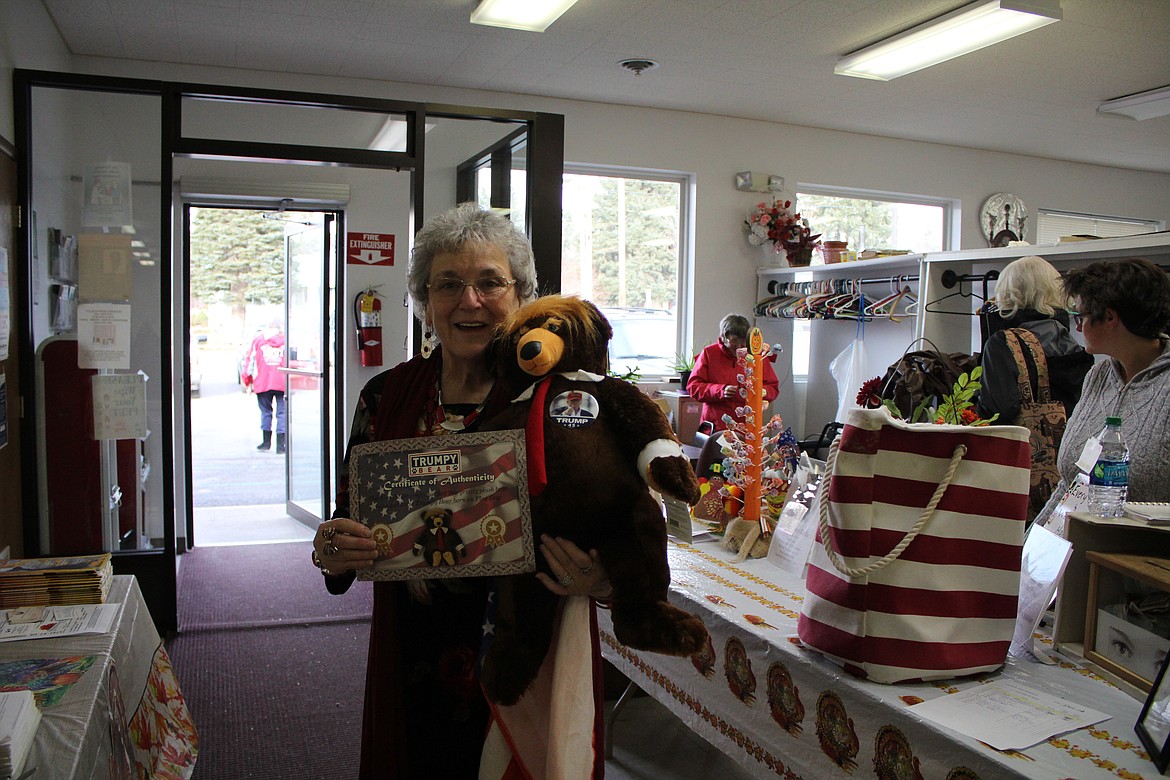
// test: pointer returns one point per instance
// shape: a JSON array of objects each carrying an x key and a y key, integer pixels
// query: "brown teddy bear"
[
  {"x": 605, "y": 443},
  {"x": 438, "y": 543}
]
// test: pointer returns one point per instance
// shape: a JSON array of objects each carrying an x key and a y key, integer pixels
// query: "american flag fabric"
[
  {"x": 444, "y": 506},
  {"x": 946, "y": 605}
]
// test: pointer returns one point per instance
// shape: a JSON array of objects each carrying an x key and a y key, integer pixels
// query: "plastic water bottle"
[{"x": 1109, "y": 480}]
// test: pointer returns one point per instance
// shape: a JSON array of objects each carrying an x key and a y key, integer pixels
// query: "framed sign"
[
  {"x": 444, "y": 506},
  {"x": 1153, "y": 725}
]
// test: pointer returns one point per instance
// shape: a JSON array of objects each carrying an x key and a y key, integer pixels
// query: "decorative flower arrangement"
[
  {"x": 778, "y": 224},
  {"x": 955, "y": 409}
]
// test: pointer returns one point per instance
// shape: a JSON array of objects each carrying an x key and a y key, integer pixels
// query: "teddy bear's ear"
[{"x": 600, "y": 323}]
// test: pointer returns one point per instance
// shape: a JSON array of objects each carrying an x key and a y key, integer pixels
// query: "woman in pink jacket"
[
  {"x": 713, "y": 379},
  {"x": 265, "y": 358}
]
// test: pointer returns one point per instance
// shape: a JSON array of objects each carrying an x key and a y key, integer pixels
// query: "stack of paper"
[
  {"x": 30, "y": 582},
  {"x": 1154, "y": 514},
  {"x": 19, "y": 718}
]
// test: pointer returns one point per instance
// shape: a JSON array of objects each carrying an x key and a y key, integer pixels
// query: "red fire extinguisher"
[{"x": 368, "y": 319}]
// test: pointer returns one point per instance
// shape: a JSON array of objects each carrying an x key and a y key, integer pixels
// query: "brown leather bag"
[
  {"x": 922, "y": 374},
  {"x": 1040, "y": 414}
]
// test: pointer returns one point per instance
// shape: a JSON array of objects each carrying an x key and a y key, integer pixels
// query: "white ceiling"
[{"x": 760, "y": 59}]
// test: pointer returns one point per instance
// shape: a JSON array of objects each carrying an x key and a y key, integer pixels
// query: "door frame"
[
  {"x": 332, "y": 252},
  {"x": 157, "y": 568}
]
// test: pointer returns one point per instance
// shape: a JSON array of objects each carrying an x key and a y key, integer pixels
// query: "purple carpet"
[
  {"x": 271, "y": 665},
  {"x": 261, "y": 585}
]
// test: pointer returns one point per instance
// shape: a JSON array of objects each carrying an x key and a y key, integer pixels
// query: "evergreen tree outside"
[
  {"x": 621, "y": 240},
  {"x": 862, "y": 223},
  {"x": 237, "y": 259}
]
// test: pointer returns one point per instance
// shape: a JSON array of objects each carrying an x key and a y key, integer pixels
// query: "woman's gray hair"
[
  {"x": 734, "y": 325},
  {"x": 1030, "y": 282},
  {"x": 456, "y": 229}
]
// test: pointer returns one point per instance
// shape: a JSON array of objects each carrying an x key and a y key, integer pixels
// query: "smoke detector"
[{"x": 638, "y": 65}]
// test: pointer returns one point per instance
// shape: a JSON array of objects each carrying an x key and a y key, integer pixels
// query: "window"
[
  {"x": 869, "y": 220},
  {"x": 876, "y": 220},
  {"x": 623, "y": 249},
  {"x": 1052, "y": 225}
]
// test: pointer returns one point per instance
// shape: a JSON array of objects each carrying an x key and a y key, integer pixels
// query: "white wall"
[
  {"x": 29, "y": 40},
  {"x": 713, "y": 148}
]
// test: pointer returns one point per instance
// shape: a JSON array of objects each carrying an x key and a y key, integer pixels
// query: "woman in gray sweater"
[{"x": 1123, "y": 312}]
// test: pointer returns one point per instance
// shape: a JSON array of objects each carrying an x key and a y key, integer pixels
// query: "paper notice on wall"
[
  {"x": 119, "y": 406},
  {"x": 107, "y": 196},
  {"x": 103, "y": 335},
  {"x": 104, "y": 267}
]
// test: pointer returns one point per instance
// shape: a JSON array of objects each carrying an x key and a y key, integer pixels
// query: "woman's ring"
[
  {"x": 567, "y": 580},
  {"x": 327, "y": 533},
  {"x": 329, "y": 549},
  {"x": 586, "y": 570}
]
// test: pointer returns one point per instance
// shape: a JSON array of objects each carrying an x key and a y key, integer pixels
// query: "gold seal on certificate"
[
  {"x": 444, "y": 506},
  {"x": 493, "y": 530}
]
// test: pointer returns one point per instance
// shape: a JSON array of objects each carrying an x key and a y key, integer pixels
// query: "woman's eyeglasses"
[
  {"x": 486, "y": 287},
  {"x": 1077, "y": 318}
]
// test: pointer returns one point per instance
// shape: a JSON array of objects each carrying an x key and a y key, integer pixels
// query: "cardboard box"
[
  {"x": 687, "y": 422},
  {"x": 1110, "y": 535}
]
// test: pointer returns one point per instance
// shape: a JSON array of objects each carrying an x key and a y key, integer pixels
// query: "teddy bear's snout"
[{"x": 539, "y": 351}]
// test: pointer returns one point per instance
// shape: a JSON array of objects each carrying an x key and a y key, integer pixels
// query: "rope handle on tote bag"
[{"x": 892, "y": 555}]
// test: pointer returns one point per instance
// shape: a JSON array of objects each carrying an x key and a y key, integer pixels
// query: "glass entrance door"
[{"x": 309, "y": 254}]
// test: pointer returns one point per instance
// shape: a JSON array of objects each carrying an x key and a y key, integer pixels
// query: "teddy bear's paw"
[
  {"x": 675, "y": 477},
  {"x": 668, "y": 630},
  {"x": 508, "y": 671}
]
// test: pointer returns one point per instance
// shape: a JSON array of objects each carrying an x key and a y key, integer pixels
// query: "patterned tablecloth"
[
  {"x": 111, "y": 705},
  {"x": 782, "y": 710}
]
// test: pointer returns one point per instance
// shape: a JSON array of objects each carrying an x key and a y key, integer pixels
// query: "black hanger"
[{"x": 951, "y": 279}]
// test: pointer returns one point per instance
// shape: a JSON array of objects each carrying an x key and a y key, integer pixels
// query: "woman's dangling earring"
[{"x": 428, "y": 342}]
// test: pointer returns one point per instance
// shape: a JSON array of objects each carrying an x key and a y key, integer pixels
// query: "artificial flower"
[
  {"x": 869, "y": 396},
  {"x": 777, "y": 223}
]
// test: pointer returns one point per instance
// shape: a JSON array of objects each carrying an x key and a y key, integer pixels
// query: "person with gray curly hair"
[
  {"x": 1028, "y": 294},
  {"x": 1121, "y": 307},
  {"x": 469, "y": 225},
  {"x": 714, "y": 377},
  {"x": 424, "y": 708}
]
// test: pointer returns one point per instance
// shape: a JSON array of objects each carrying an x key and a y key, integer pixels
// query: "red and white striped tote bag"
[{"x": 917, "y": 571}]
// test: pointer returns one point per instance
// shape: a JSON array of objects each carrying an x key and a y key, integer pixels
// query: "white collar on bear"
[{"x": 578, "y": 375}]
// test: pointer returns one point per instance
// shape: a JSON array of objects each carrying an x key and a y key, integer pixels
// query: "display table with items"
[
  {"x": 782, "y": 710},
  {"x": 111, "y": 705}
]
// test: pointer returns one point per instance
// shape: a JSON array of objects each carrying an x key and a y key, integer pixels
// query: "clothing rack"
[
  {"x": 775, "y": 285},
  {"x": 840, "y": 298}
]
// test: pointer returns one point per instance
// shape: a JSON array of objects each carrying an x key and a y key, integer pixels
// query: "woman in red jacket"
[{"x": 713, "y": 379}]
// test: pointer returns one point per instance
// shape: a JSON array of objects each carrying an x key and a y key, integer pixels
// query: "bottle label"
[{"x": 1110, "y": 474}]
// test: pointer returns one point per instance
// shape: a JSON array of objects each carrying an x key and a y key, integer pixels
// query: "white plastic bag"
[{"x": 849, "y": 369}]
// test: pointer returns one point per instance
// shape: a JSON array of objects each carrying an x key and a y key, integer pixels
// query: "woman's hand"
[
  {"x": 577, "y": 573},
  {"x": 729, "y": 391},
  {"x": 342, "y": 544}
]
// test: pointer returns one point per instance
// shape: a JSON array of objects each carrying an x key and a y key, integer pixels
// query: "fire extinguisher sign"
[{"x": 370, "y": 248}]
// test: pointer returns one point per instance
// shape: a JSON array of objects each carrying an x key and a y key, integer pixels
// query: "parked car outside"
[
  {"x": 643, "y": 341},
  {"x": 195, "y": 378}
]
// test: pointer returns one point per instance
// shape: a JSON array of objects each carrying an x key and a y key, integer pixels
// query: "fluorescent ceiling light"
[
  {"x": 960, "y": 32},
  {"x": 534, "y": 15},
  {"x": 1143, "y": 105}
]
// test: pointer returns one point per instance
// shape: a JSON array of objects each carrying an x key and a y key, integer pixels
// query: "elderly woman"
[
  {"x": 1028, "y": 295},
  {"x": 1123, "y": 311},
  {"x": 425, "y": 715},
  {"x": 713, "y": 379}
]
